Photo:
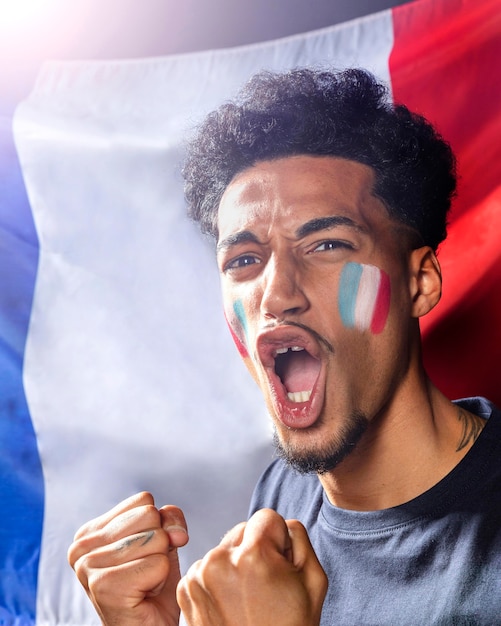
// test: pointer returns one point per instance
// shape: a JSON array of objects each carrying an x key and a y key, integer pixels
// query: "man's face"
[{"x": 316, "y": 293}]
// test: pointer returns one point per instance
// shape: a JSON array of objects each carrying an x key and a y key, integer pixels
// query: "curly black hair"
[{"x": 347, "y": 114}]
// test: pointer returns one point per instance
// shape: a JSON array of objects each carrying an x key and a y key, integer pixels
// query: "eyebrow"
[
  {"x": 313, "y": 226},
  {"x": 244, "y": 236},
  {"x": 325, "y": 223}
]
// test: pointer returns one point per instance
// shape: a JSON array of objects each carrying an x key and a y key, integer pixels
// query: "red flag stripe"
[{"x": 445, "y": 65}]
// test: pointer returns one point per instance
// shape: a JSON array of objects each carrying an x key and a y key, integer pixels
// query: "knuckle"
[
  {"x": 72, "y": 554},
  {"x": 83, "y": 571},
  {"x": 212, "y": 568},
  {"x": 79, "y": 548},
  {"x": 100, "y": 586},
  {"x": 188, "y": 584},
  {"x": 234, "y": 535},
  {"x": 88, "y": 528},
  {"x": 265, "y": 516},
  {"x": 296, "y": 525},
  {"x": 265, "y": 522},
  {"x": 146, "y": 515},
  {"x": 324, "y": 584},
  {"x": 183, "y": 595},
  {"x": 182, "y": 586}
]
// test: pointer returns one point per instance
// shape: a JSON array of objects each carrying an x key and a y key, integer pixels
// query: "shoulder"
[
  {"x": 482, "y": 407},
  {"x": 477, "y": 478},
  {"x": 489, "y": 439}
]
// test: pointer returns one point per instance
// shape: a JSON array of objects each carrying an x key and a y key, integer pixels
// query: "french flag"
[
  {"x": 117, "y": 372},
  {"x": 364, "y": 297}
]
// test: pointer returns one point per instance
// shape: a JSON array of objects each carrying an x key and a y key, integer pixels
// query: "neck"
[{"x": 406, "y": 450}]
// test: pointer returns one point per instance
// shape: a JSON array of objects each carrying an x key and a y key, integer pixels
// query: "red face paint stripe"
[
  {"x": 382, "y": 304},
  {"x": 242, "y": 350}
]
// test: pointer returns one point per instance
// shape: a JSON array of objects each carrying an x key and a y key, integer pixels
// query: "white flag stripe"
[{"x": 130, "y": 374}]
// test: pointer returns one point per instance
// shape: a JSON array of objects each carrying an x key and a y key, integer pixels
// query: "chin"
[{"x": 319, "y": 459}]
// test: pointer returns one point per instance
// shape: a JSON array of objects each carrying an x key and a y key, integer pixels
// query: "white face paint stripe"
[{"x": 368, "y": 288}]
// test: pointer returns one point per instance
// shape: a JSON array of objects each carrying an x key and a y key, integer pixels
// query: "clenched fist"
[
  {"x": 263, "y": 572},
  {"x": 127, "y": 562}
]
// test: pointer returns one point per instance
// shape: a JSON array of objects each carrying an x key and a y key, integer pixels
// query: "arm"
[
  {"x": 127, "y": 562},
  {"x": 263, "y": 572}
]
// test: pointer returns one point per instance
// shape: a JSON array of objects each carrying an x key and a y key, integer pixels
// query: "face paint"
[
  {"x": 237, "y": 323},
  {"x": 364, "y": 297}
]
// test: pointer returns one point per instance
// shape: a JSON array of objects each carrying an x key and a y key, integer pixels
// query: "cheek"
[
  {"x": 364, "y": 297},
  {"x": 237, "y": 323}
]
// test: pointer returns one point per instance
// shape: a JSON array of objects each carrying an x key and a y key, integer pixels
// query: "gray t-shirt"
[{"x": 435, "y": 560}]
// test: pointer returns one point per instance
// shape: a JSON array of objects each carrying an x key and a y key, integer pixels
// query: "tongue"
[{"x": 298, "y": 371}]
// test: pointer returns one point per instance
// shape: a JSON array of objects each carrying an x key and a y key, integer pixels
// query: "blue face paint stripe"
[
  {"x": 348, "y": 291},
  {"x": 238, "y": 307}
]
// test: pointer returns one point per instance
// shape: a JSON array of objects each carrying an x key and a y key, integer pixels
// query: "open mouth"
[
  {"x": 298, "y": 371},
  {"x": 294, "y": 368}
]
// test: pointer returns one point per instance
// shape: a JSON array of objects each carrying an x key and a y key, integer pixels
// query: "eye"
[
  {"x": 241, "y": 262},
  {"x": 332, "y": 244}
]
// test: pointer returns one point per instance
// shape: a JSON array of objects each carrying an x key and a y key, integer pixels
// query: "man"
[{"x": 328, "y": 204}]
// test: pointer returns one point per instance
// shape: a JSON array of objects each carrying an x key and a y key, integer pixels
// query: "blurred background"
[{"x": 32, "y": 31}]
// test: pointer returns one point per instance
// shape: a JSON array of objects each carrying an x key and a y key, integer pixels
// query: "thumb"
[
  {"x": 174, "y": 524},
  {"x": 302, "y": 550},
  {"x": 306, "y": 561}
]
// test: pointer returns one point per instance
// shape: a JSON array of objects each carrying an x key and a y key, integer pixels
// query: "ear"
[{"x": 425, "y": 280}]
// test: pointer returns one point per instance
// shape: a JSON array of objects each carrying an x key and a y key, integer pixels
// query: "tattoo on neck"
[{"x": 472, "y": 427}]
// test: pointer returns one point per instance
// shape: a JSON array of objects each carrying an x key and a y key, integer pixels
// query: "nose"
[{"x": 283, "y": 295}]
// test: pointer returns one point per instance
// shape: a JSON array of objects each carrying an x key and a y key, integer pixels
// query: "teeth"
[
  {"x": 284, "y": 350},
  {"x": 299, "y": 396}
]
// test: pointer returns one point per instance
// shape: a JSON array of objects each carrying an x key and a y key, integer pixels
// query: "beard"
[{"x": 323, "y": 459}]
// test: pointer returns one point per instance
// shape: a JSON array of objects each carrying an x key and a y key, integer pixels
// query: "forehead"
[{"x": 290, "y": 191}]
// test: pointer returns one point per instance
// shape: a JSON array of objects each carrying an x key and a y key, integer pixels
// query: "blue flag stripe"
[{"x": 21, "y": 486}]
